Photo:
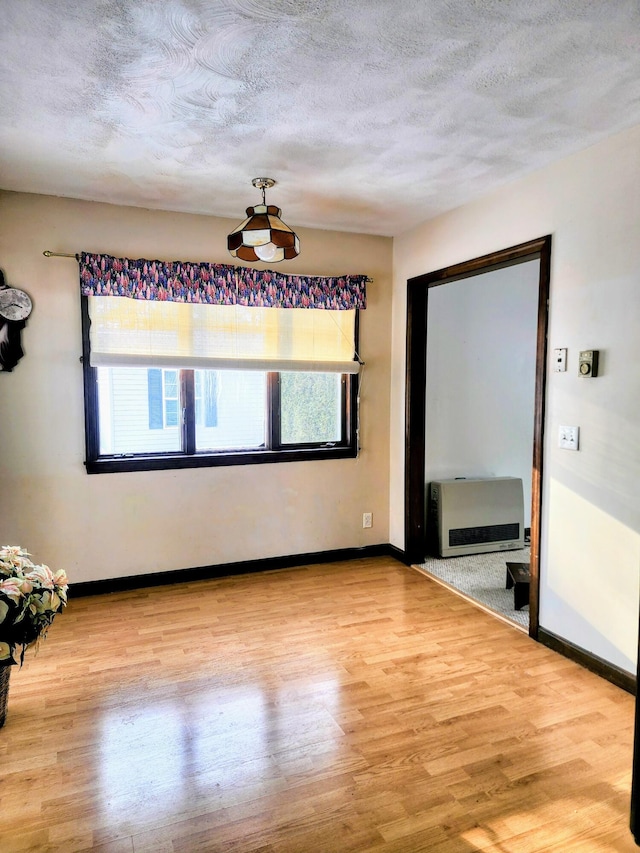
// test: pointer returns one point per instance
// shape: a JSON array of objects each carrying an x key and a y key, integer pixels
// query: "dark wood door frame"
[{"x": 415, "y": 399}]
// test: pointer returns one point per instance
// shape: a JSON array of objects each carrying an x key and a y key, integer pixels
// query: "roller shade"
[{"x": 142, "y": 333}]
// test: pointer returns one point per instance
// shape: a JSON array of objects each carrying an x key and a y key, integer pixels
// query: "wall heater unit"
[{"x": 475, "y": 516}]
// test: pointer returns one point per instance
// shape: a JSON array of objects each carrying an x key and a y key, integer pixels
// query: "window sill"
[{"x": 120, "y": 464}]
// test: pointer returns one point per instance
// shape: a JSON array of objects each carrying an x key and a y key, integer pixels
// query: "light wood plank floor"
[{"x": 354, "y": 706}]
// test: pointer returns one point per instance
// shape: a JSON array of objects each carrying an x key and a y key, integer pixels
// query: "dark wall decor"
[{"x": 15, "y": 307}]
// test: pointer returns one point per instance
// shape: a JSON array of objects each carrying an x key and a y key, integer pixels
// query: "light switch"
[{"x": 568, "y": 437}]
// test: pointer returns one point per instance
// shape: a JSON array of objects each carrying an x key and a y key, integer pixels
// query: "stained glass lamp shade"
[{"x": 263, "y": 236}]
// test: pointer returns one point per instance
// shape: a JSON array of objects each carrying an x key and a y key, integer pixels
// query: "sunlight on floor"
[{"x": 564, "y": 825}]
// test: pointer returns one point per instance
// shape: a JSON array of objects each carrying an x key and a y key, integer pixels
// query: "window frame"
[{"x": 188, "y": 457}]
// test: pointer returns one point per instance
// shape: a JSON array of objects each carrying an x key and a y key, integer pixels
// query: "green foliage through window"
[{"x": 311, "y": 406}]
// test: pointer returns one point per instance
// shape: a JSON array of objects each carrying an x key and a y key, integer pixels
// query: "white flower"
[
  {"x": 60, "y": 578},
  {"x": 10, "y": 588},
  {"x": 10, "y": 551},
  {"x": 43, "y": 574}
]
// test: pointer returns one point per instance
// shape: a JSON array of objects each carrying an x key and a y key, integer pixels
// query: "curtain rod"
[{"x": 49, "y": 254}]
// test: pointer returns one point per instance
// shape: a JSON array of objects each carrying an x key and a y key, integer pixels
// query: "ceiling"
[{"x": 372, "y": 116}]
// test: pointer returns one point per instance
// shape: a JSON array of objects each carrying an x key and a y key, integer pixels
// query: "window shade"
[{"x": 139, "y": 333}]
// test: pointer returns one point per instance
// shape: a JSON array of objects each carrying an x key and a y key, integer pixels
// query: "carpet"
[{"x": 482, "y": 577}]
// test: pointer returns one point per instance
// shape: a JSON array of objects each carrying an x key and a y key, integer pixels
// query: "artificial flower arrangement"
[{"x": 30, "y": 597}]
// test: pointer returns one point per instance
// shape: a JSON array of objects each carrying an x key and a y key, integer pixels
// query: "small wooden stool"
[{"x": 518, "y": 577}]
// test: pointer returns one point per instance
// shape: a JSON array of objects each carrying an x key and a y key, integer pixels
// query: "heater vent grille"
[{"x": 481, "y": 535}]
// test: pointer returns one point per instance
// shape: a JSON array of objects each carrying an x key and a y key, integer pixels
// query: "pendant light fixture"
[{"x": 263, "y": 236}]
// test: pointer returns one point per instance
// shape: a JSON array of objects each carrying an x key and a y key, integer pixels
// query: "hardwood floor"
[{"x": 353, "y": 706}]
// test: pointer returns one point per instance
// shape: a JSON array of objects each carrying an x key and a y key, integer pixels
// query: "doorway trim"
[{"x": 415, "y": 397}]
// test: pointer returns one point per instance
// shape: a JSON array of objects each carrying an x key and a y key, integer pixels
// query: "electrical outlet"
[
  {"x": 568, "y": 437},
  {"x": 367, "y": 519}
]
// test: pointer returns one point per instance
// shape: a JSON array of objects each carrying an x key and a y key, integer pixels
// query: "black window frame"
[{"x": 188, "y": 457}]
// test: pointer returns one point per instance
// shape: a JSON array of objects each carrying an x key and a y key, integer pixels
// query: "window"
[{"x": 153, "y": 399}]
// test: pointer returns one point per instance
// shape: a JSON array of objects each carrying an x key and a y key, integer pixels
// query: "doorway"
[{"x": 416, "y": 396}]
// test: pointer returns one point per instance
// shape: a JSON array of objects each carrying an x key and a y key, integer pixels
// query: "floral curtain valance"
[{"x": 216, "y": 284}]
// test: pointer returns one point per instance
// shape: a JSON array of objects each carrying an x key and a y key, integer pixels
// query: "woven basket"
[{"x": 5, "y": 672}]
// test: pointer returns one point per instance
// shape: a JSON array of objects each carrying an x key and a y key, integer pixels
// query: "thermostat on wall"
[{"x": 588, "y": 362}]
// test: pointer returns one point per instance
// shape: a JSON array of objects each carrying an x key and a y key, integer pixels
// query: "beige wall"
[
  {"x": 112, "y": 525},
  {"x": 590, "y": 203}
]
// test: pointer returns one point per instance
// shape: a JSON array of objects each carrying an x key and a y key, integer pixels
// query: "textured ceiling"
[{"x": 372, "y": 116}]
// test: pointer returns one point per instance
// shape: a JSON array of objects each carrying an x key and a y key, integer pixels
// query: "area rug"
[{"x": 482, "y": 577}]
